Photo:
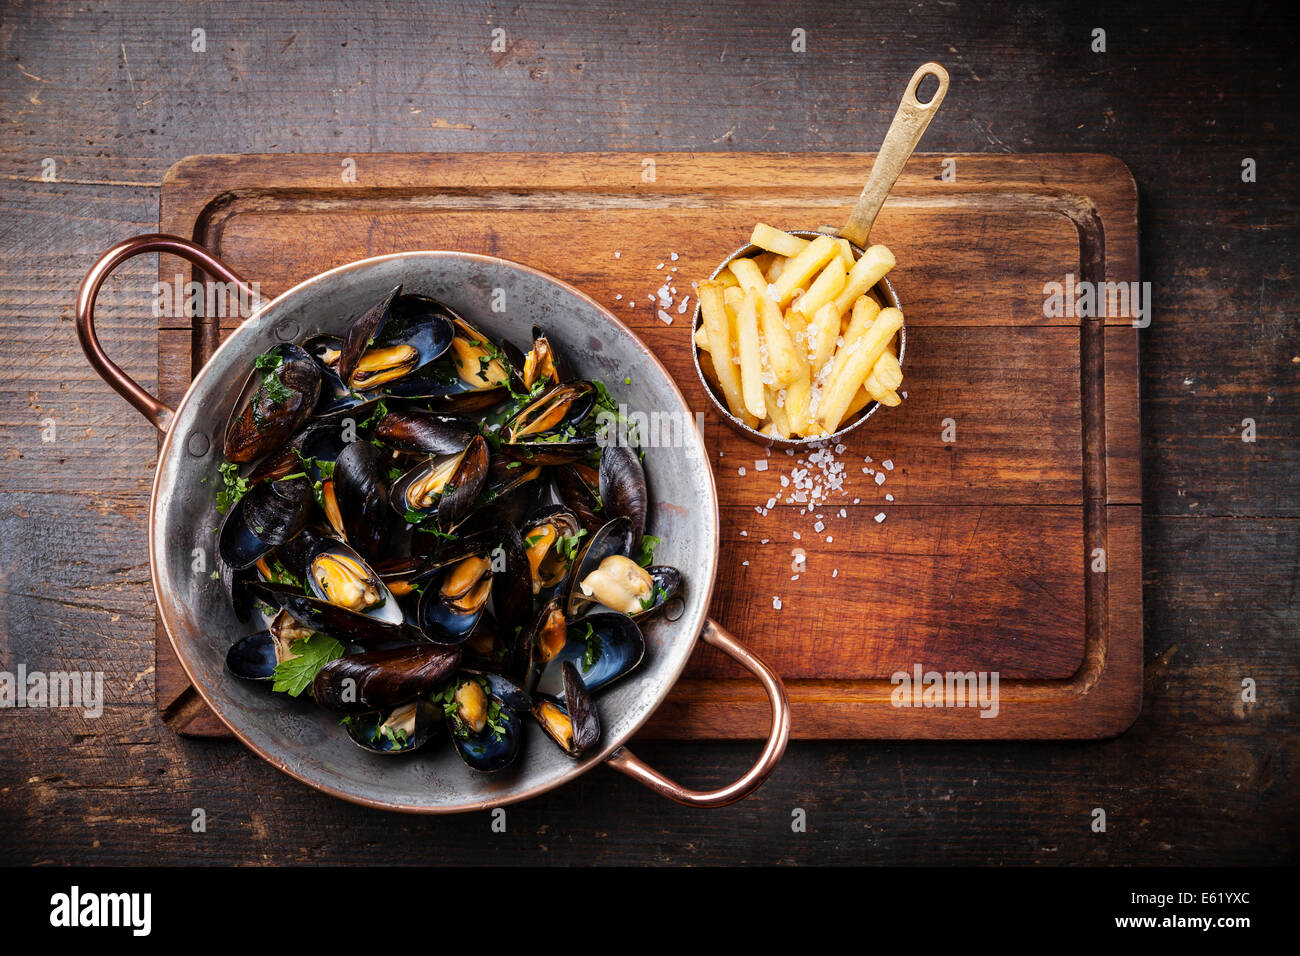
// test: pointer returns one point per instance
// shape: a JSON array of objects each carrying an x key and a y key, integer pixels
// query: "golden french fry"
[
  {"x": 824, "y": 289},
  {"x": 783, "y": 359},
  {"x": 702, "y": 339},
  {"x": 773, "y": 271},
  {"x": 846, "y": 253},
  {"x": 774, "y": 240},
  {"x": 887, "y": 371},
  {"x": 764, "y": 260},
  {"x": 748, "y": 274},
  {"x": 799, "y": 269},
  {"x": 861, "y": 399},
  {"x": 733, "y": 296},
  {"x": 848, "y": 377},
  {"x": 798, "y": 395},
  {"x": 727, "y": 280},
  {"x": 713, "y": 308},
  {"x": 798, "y": 327},
  {"x": 709, "y": 370},
  {"x": 751, "y": 362},
  {"x": 866, "y": 272},
  {"x": 776, "y": 412}
]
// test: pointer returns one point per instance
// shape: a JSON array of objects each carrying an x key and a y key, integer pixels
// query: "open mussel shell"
[
  {"x": 454, "y": 601},
  {"x": 549, "y": 535},
  {"x": 337, "y": 622},
  {"x": 512, "y": 593},
  {"x": 448, "y": 485},
  {"x": 541, "y": 641},
  {"x": 603, "y": 647},
  {"x": 360, "y": 494},
  {"x": 401, "y": 730},
  {"x": 381, "y": 680},
  {"x": 572, "y": 722},
  {"x": 544, "y": 431},
  {"x": 622, "y": 487},
  {"x": 471, "y": 375},
  {"x": 613, "y": 538},
  {"x": 255, "y": 657},
  {"x": 268, "y": 515},
  {"x": 274, "y": 403},
  {"x": 419, "y": 432},
  {"x": 483, "y": 746},
  {"x": 337, "y": 574},
  {"x": 542, "y": 364}
]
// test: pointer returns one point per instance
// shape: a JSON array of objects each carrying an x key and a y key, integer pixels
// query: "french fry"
[
  {"x": 849, "y": 377},
  {"x": 713, "y": 308},
  {"x": 782, "y": 357},
  {"x": 776, "y": 412},
  {"x": 764, "y": 261},
  {"x": 748, "y": 274},
  {"x": 846, "y": 253},
  {"x": 798, "y": 395},
  {"x": 727, "y": 280},
  {"x": 751, "y": 363},
  {"x": 774, "y": 240},
  {"x": 824, "y": 288},
  {"x": 866, "y": 272},
  {"x": 887, "y": 370},
  {"x": 861, "y": 399},
  {"x": 799, "y": 269},
  {"x": 702, "y": 339},
  {"x": 877, "y": 391},
  {"x": 733, "y": 297},
  {"x": 773, "y": 271}
]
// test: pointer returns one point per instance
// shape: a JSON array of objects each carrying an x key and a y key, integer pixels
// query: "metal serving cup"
[
  {"x": 888, "y": 298},
  {"x": 904, "y": 133}
]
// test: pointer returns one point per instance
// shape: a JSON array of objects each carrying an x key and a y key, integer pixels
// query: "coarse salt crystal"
[
  {"x": 771, "y": 503},
  {"x": 819, "y": 527},
  {"x": 835, "y": 573},
  {"x": 681, "y": 309},
  {"x": 889, "y": 497},
  {"x": 785, "y": 482},
  {"x": 618, "y": 297},
  {"x": 741, "y": 471},
  {"x": 889, "y": 464},
  {"x": 830, "y": 538},
  {"x": 673, "y": 256},
  {"x": 880, "y": 477},
  {"x": 665, "y": 317},
  {"x": 618, "y": 255},
  {"x": 760, "y": 464},
  {"x": 744, "y": 564},
  {"x": 880, "y": 517},
  {"x": 776, "y": 603},
  {"x": 797, "y": 536},
  {"x": 843, "y": 513},
  {"x": 744, "y": 534}
]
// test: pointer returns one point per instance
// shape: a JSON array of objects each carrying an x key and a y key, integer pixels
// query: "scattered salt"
[
  {"x": 889, "y": 464},
  {"x": 880, "y": 477},
  {"x": 741, "y": 471},
  {"x": 880, "y": 517},
  {"x": 760, "y": 464},
  {"x": 889, "y": 497},
  {"x": 776, "y": 603}
]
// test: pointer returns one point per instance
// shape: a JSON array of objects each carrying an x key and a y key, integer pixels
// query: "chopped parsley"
[
  {"x": 595, "y": 647},
  {"x": 233, "y": 487},
  {"x": 648, "y": 544},
  {"x": 295, "y": 675}
]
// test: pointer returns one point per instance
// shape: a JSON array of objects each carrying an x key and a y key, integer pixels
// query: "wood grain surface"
[
  {"x": 115, "y": 95},
  {"x": 985, "y": 562}
]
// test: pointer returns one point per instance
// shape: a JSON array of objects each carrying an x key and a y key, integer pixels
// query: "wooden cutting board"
[{"x": 1014, "y": 548}]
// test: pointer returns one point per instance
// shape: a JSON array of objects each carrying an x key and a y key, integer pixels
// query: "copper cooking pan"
[{"x": 297, "y": 736}]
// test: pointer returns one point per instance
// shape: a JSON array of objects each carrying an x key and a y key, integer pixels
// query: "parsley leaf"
[
  {"x": 648, "y": 544},
  {"x": 233, "y": 487},
  {"x": 595, "y": 648},
  {"x": 295, "y": 675}
]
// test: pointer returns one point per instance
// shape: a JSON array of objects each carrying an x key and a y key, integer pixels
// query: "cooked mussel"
[
  {"x": 338, "y": 622},
  {"x": 603, "y": 647},
  {"x": 577, "y": 486},
  {"x": 419, "y": 432},
  {"x": 404, "y": 729},
  {"x": 448, "y": 484},
  {"x": 380, "y": 680},
  {"x": 545, "y": 431},
  {"x": 551, "y": 540},
  {"x": 453, "y": 604},
  {"x": 573, "y": 722},
  {"x": 268, "y": 515},
  {"x": 622, "y": 487},
  {"x": 540, "y": 366},
  {"x": 255, "y": 657},
  {"x": 360, "y": 499},
  {"x": 394, "y": 339},
  {"x": 337, "y": 574},
  {"x": 277, "y": 399},
  {"x": 473, "y": 373},
  {"x": 606, "y": 575},
  {"x": 481, "y": 715}
]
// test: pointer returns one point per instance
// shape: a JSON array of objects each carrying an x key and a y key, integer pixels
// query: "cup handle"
[
  {"x": 905, "y": 131},
  {"x": 108, "y": 370},
  {"x": 624, "y": 761}
]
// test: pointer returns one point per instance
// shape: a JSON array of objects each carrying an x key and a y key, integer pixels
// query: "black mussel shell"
[
  {"x": 512, "y": 593},
  {"x": 386, "y": 610},
  {"x": 541, "y": 364},
  {"x": 296, "y": 554},
  {"x": 491, "y": 749},
  {"x": 622, "y": 487},
  {"x": 573, "y": 724},
  {"x": 268, "y": 515},
  {"x": 542, "y": 432},
  {"x": 487, "y": 649},
  {"x": 667, "y": 584},
  {"x": 381, "y": 680},
  {"x": 419, "y": 432},
  {"x": 473, "y": 374},
  {"x": 603, "y": 646},
  {"x": 423, "y": 719},
  {"x": 439, "y": 619},
  {"x": 549, "y": 567},
  {"x": 542, "y": 640},
  {"x": 576, "y": 485},
  {"x": 330, "y": 619},
  {"x": 361, "y": 336},
  {"x": 274, "y": 404},
  {"x": 362, "y": 497},
  {"x": 418, "y": 326},
  {"x": 453, "y": 503},
  {"x": 252, "y": 657},
  {"x": 614, "y": 537},
  {"x": 433, "y": 552}
]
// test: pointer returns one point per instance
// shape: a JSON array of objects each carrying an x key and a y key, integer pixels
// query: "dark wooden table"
[{"x": 114, "y": 93}]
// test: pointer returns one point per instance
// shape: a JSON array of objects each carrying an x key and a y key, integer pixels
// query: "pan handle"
[
  {"x": 624, "y": 761},
  {"x": 108, "y": 370}
]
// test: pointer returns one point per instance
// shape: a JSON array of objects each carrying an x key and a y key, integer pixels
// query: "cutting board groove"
[{"x": 984, "y": 560}]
